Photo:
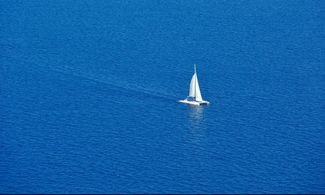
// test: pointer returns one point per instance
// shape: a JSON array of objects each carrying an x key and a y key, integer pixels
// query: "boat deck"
[{"x": 197, "y": 103}]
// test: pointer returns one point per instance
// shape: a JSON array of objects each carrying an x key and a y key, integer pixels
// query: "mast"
[{"x": 195, "y": 81}]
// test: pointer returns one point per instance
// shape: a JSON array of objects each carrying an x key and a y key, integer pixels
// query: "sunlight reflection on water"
[
  {"x": 195, "y": 114},
  {"x": 197, "y": 132}
]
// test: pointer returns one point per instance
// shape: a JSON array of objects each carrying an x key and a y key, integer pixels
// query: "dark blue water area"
[{"x": 89, "y": 91}]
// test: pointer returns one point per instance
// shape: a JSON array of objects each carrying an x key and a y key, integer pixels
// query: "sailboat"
[{"x": 194, "y": 97}]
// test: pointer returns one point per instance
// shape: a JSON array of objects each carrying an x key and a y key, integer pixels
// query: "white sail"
[
  {"x": 198, "y": 96},
  {"x": 192, "y": 86},
  {"x": 195, "y": 91}
]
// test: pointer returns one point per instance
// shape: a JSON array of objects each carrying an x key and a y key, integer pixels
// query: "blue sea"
[{"x": 89, "y": 91}]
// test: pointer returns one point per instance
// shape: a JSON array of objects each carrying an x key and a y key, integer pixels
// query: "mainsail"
[{"x": 194, "y": 87}]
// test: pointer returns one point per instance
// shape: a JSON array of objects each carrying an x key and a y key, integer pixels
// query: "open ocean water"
[{"x": 89, "y": 91}]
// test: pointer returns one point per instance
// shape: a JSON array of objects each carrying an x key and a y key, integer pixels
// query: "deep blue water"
[{"x": 89, "y": 90}]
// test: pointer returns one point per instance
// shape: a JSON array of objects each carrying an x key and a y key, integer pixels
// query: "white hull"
[{"x": 196, "y": 103}]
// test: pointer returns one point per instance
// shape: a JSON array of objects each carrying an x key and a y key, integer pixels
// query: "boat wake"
[{"x": 124, "y": 87}]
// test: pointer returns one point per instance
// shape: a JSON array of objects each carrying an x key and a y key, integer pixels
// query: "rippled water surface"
[{"x": 89, "y": 90}]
